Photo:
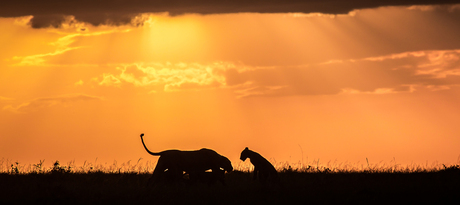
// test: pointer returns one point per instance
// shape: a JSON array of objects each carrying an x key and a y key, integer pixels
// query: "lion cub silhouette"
[{"x": 262, "y": 167}]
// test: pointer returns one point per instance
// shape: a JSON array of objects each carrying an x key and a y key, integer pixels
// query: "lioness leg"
[
  {"x": 208, "y": 177},
  {"x": 156, "y": 176},
  {"x": 163, "y": 172}
]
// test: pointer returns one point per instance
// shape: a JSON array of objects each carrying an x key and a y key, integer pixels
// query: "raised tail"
[{"x": 152, "y": 153}]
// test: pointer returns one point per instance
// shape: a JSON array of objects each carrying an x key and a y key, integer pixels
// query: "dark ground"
[{"x": 440, "y": 187}]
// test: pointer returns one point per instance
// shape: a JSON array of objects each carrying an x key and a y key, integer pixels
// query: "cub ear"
[{"x": 246, "y": 148}]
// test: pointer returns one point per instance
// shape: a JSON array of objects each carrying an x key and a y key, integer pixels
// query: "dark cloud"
[
  {"x": 52, "y": 12},
  {"x": 56, "y": 20}
]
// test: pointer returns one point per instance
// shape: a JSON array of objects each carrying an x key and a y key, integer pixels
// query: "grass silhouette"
[{"x": 312, "y": 183}]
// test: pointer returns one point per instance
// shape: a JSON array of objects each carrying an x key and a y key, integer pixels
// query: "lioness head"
[{"x": 226, "y": 164}]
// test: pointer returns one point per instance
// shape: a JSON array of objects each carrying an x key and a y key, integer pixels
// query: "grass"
[{"x": 332, "y": 183}]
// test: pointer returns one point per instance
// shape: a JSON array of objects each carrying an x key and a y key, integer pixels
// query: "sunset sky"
[{"x": 292, "y": 80}]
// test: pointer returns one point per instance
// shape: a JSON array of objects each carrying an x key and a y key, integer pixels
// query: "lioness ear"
[{"x": 246, "y": 148}]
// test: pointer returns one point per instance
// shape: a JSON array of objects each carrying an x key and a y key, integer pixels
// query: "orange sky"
[{"x": 379, "y": 83}]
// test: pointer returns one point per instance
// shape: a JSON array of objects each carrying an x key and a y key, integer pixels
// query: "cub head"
[{"x": 244, "y": 154}]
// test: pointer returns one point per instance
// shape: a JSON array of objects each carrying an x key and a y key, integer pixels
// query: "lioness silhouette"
[
  {"x": 194, "y": 162},
  {"x": 262, "y": 167}
]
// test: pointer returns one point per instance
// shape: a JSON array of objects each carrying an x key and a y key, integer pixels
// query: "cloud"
[
  {"x": 255, "y": 39},
  {"x": 54, "y": 12},
  {"x": 168, "y": 76},
  {"x": 402, "y": 72},
  {"x": 5, "y": 99},
  {"x": 431, "y": 70},
  {"x": 39, "y": 59},
  {"x": 62, "y": 45},
  {"x": 40, "y": 103},
  {"x": 79, "y": 83}
]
